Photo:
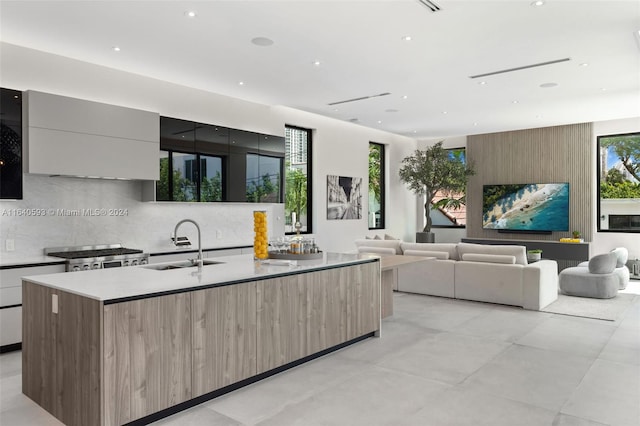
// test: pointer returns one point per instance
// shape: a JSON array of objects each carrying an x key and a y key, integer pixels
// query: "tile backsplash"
[{"x": 66, "y": 211}]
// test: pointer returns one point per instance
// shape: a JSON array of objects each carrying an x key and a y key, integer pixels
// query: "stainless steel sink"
[{"x": 181, "y": 264}]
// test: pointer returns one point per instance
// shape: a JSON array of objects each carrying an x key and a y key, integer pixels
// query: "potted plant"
[
  {"x": 431, "y": 171},
  {"x": 576, "y": 235},
  {"x": 534, "y": 255}
]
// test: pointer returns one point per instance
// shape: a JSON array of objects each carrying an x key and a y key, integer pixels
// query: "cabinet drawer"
[
  {"x": 13, "y": 277},
  {"x": 10, "y": 296},
  {"x": 11, "y": 320}
]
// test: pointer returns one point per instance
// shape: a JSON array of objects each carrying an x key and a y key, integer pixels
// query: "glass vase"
[{"x": 260, "y": 240}]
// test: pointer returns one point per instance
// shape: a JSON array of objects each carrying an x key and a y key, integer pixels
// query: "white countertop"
[{"x": 136, "y": 281}]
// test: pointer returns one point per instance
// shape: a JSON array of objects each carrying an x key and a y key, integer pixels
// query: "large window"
[
  {"x": 451, "y": 217},
  {"x": 619, "y": 183},
  {"x": 298, "y": 178},
  {"x": 376, "y": 186}
]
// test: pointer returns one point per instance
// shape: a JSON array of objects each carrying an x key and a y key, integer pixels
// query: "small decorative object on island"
[
  {"x": 260, "y": 240},
  {"x": 296, "y": 247},
  {"x": 432, "y": 171},
  {"x": 534, "y": 255},
  {"x": 576, "y": 234}
]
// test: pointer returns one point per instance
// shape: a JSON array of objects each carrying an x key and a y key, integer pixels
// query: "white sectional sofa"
[{"x": 486, "y": 273}]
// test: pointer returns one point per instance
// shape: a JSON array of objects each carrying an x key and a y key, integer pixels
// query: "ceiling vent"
[
  {"x": 431, "y": 5},
  {"x": 359, "y": 99},
  {"x": 524, "y": 67}
]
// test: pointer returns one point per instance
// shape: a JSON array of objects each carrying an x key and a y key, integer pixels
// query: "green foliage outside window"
[
  {"x": 261, "y": 191},
  {"x": 211, "y": 188},
  {"x": 184, "y": 189},
  {"x": 615, "y": 184},
  {"x": 296, "y": 192},
  {"x": 374, "y": 171}
]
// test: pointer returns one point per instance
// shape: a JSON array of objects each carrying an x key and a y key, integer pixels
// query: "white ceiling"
[{"x": 361, "y": 51}]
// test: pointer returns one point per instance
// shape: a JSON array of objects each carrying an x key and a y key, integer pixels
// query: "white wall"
[
  {"x": 53, "y": 214},
  {"x": 339, "y": 148},
  {"x": 605, "y": 241}
]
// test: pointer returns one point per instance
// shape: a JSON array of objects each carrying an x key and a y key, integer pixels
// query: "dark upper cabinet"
[
  {"x": 204, "y": 162},
  {"x": 11, "y": 144},
  {"x": 212, "y": 140},
  {"x": 177, "y": 135}
]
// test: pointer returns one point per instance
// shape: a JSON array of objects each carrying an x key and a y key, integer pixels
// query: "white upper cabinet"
[{"x": 75, "y": 137}]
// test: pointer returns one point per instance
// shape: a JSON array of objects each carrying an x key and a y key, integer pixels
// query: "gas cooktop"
[{"x": 88, "y": 253}]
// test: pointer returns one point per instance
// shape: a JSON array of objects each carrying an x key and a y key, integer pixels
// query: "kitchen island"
[{"x": 132, "y": 345}]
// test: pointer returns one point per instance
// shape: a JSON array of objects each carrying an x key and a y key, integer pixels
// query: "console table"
[{"x": 566, "y": 254}]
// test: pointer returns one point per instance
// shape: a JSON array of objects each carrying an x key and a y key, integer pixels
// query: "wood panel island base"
[{"x": 132, "y": 354}]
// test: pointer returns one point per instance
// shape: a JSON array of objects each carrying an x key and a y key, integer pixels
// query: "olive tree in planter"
[{"x": 434, "y": 170}]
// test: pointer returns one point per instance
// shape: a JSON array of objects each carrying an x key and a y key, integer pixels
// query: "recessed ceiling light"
[
  {"x": 584, "y": 64},
  {"x": 241, "y": 83},
  {"x": 116, "y": 48},
  {"x": 604, "y": 89},
  {"x": 445, "y": 112},
  {"x": 482, "y": 83},
  {"x": 379, "y": 121},
  {"x": 406, "y": 38},
  {"x": 548, "y": 85},
  {"x": 538, "y": 3},
  {"x": 262, "y": 41},
  {"x": 405, "y": 97},
  {"x": 515, "y": 101},
  {"x": 190, "y": 14},
  {"x": 475, "y": 124},
  {"x": 316, "y": 63}
]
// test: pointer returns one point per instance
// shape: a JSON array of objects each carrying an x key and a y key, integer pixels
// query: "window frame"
[
  {"x": 309, "y": 174},
  {"x": 382, "y": 179},
  {"x": 599, "y": 213}
]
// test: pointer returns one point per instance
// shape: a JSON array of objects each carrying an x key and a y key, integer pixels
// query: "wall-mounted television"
[{"x": 532, "y": 207}]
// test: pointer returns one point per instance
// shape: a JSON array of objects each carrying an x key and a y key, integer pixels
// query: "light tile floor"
[{"x": 439, "y": 362}]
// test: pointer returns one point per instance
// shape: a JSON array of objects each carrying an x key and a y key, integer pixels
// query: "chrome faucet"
[{"x": 175, "y": 233}]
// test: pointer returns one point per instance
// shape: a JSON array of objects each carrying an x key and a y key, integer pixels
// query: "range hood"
[{"x": 75, "y": 137}]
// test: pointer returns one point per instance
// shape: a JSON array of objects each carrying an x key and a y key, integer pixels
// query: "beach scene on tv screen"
[{"x": 528, "y": 207}]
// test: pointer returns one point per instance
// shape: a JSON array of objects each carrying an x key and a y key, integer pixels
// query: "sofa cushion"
[
  {"x": 442, "y": 255},
  {"x": 519, "y": 252},
  {"x": 377, "y": 250},
  {"x": 622, "y": 255},
  {"x": 603, "y": 263},
  {"x": 489, "y": 258},
  {"x": 446, "y": 247},
  {"x": 394, "y": 244}
]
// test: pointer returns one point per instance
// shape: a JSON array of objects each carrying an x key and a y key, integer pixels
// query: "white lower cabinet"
[
  {"x": 11, "y": 320},
  {"x": 11, "y": 299}
]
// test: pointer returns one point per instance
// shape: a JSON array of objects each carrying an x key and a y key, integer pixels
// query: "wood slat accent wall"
[{"x": 544, "y": 155}]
